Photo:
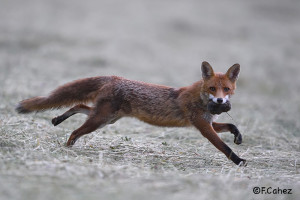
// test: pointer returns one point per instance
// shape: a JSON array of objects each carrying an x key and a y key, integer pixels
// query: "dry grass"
[{"x": 46, "y": 43}]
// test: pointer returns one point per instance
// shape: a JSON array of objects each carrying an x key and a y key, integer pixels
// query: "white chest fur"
[{"x": 210, "y": 117}]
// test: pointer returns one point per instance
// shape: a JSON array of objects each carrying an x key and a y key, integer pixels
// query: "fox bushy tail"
[{"x": 80, "y": 91}]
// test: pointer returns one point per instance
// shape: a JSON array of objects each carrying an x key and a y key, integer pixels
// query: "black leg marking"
[{"x": 59, "y": 119}]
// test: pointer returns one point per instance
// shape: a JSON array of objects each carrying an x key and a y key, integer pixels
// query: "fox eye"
[
  {"x": 226, "y": 89},
  {"x": 212, "y": 89}
]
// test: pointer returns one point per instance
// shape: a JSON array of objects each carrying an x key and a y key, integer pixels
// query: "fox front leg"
[
  {"x": 208, "y": 131},
  {"x": 224, "y": 127}
]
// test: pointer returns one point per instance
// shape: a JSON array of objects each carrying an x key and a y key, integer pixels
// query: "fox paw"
[
  {"x": 57, "y": 120},
  {"x": 243, "y": 163},
  {"x": 238, "y": 139}
]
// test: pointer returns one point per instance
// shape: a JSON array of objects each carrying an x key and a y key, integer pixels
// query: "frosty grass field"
[{"x": 44, "y": 44}]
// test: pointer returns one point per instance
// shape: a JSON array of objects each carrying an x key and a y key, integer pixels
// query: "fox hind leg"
[
  {"x": 100, "y": 116},
  {"x": 224, "y": 127},
  {"x": 81, "y": 108}
]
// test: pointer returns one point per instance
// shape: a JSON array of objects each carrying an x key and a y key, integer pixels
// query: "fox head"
[{"x": 218, "y": 87}]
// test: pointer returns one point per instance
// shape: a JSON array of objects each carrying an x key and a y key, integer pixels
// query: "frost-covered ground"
[{"x": 46, "y": 43}]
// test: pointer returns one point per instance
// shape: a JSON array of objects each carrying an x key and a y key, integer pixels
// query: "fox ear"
[
  {"x": 233, "y": 72},
  {"x": 207, "y": 71}
]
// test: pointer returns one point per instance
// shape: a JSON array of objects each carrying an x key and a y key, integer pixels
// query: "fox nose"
[{"x": 220, "y": 100}]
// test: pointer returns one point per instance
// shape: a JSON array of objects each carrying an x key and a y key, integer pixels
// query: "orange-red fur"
[{"x": 114, "y": 97}]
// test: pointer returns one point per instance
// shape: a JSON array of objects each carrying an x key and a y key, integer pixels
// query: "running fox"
[{"x": 115, "y": 97}]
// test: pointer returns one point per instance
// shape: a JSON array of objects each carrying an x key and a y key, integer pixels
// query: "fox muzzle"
[{"x": 219, "y": 100}]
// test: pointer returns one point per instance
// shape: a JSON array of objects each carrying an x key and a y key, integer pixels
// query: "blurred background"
[{"x": 45, "y": 43}]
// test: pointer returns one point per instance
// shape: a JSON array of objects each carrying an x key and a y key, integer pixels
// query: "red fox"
[{"x": 115, "y": 97}]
